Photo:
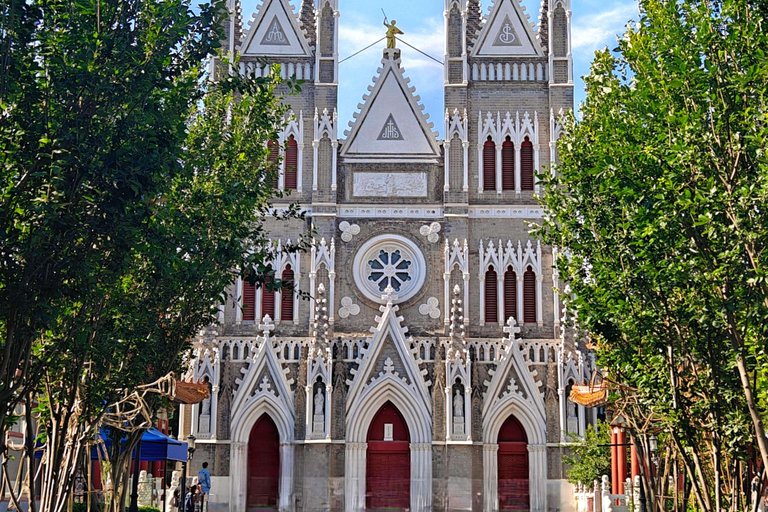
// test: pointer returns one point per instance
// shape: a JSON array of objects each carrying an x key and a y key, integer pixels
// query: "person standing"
[{"x": 204, "y": 479}]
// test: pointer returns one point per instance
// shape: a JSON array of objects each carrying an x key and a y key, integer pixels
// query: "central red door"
[
  {"x": 388, "y": 463},
  {"x": 263, "y": 465},
  {"x": 513, "y": 466}
]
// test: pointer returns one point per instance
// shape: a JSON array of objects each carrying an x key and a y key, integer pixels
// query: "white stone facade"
[{"x": 405, "y": 234}]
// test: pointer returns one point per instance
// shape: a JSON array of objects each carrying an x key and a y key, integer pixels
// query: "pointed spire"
[
  {"x": 320, "y": 325},
  {"x": 458, "y": 348},
  {"x": 543, "y": 28},
  {"x": 238, "y": 23},
  {"x": 307, "y": 20},
  {"x": 474, "y": 22}
]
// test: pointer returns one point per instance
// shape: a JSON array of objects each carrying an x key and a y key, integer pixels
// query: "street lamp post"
[
  {"x": 134, "y": 507},
  {"x": 191, "y": 452}
]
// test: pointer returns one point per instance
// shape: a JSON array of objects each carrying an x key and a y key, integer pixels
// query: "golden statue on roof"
[{"x": 392, "y": 31}]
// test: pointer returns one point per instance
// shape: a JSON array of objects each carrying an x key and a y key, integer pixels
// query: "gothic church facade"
[{"x": 431, "y": 368}]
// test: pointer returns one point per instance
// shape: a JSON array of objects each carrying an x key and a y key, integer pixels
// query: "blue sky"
[{"x": 595, "y": 24}]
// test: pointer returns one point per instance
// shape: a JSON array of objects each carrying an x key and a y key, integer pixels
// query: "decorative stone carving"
[
  {"x": 430, "y": 308},
  {"x": 348, "y": 231},
  {"x": 388, "y": 261},
  {"x": 145, "y": 489},
  {"x": 348, "y": 308},
  {"x": 431, "y": 232},
  {"x": 379, "y": 184}
]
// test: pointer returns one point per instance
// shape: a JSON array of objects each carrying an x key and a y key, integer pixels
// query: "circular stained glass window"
[{"x": 389, "y": 261}]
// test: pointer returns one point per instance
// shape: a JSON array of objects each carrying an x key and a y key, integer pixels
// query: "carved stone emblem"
[
  {"x": 507, "y": 35},
  {"x": 390, "y": 131},
  {"x": 275, "y": 35}
]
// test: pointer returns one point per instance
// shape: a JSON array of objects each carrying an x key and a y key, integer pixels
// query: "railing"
[{"x": 498, "y": 72}]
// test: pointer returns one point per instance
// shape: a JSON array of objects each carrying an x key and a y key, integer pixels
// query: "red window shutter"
[
  {"x": 489, "y": 165},
  {"x": 526, "y": 165},
  {"x": 491, "y": 299},
  {"x": 508, "y": 165},
  {"x": 291, "y": 164},
  {"x": 274, "y": 154},
  {"x": 249, "y": 301},
  {"x": 267, "y": 299},
  {"x": 529, "y": 296},
  {"x": 510, "y": 294},
  {"x": 286, "y": 296}
]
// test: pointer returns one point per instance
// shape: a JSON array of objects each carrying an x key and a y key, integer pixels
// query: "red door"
[
  {"x": 263, "y": 465},
  {"x": 513, "y": 466},
  {"x": 388, "y": 463}
]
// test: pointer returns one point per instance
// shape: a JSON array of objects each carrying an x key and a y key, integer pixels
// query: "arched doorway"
[
  {"x": 513, "y": 467},
  {"x": 263, "y": 465},
  {"x": 388, "y": 461}
]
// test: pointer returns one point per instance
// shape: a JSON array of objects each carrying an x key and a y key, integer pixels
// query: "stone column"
[
  {"x": 491, "y": 477},
  {"x": 421, "y": 477},
  {"x": 285, "y": 492},
  {"x": 354, "y": 476},
  {"x": 537, "y": 476},
  {"x": 238, "y": 481}
]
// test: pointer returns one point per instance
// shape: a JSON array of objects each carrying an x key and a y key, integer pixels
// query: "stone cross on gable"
[
  {"x": 512, "y": 328},
  {"x": 267, "y": 325},
  {"x": 389, "y": 295},
  {"x": 265, "y": 385}
]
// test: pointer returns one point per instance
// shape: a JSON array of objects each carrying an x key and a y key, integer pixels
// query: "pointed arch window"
[
  {"x": 508, "y": 165},
  {"x": 491, "y": 297},
  {"x": 529, "y": 296},
  {"x": 286, "y": 295},
  {"x": 489, "y": 165},
  {"x": 291, "y": 164},
  {"x": 510, "y": 294},
  {"x": 526, "y": 165},
  {"x": 267, "y": 297}
]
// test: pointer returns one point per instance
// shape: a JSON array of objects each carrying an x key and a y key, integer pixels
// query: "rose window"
[
  {"x": 389, "y": 269},
  {"x": 389, "y": 261}
]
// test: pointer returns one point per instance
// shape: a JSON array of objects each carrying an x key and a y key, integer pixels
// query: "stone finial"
[
  {"x": 267, "y": 325},
  {"x": 389, "y": 296},
  {"x": 511, "y": 328}
]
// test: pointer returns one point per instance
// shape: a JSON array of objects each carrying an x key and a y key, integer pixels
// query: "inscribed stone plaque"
[{"x": 389, "y": 184}]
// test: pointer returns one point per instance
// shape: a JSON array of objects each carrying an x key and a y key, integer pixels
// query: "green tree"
[
  {"x": 588, "y": 461},
  {"x": 659, "y": 201},
  {"x": 133, "y": 192}
]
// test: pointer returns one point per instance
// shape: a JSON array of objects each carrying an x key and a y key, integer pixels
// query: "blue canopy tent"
[{"x": 155, "y": 446}]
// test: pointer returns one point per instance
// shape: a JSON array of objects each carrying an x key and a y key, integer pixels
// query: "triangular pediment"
[
  {"x": 513, "y": 379},
  {"x": 507, "y": 33},
  {"x": 275, "y": 31},
  {"x": 263, "y": 375},
  {"x": 391, "y": 123},
  {"x": 388, "y": 356}
]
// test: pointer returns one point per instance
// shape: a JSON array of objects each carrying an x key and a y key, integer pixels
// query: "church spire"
[
  {"x": 543, "y": 28},
  {"x": 307, "y": 20},
  {"x": 474, "y": 22}
]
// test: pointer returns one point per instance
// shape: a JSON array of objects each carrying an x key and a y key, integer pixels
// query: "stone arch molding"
[
  {"x": 514, "y": 391},
  {"x": 264, "y": 389},
  {"x": 369, "y": 391},
  {"x": 388, "y": 387}
]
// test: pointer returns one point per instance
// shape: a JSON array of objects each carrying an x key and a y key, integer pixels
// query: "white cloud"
[{"x": 595, "y": 30}]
